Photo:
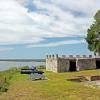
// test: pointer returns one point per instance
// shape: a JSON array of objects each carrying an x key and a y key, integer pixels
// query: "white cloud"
[
  {"x": 86, "y": 6},
  {"x": 67, "y": 22},
  {"x": 6, "y": 49},
  {"x": 18, "y": 26},
  {"x": 60, "y": 43}
]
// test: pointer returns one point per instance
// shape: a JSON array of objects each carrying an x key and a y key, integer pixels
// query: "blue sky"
[{"x": 35, "y": 28}]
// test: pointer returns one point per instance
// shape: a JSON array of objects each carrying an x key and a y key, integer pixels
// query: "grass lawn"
[{"x": 56, "y": 88}]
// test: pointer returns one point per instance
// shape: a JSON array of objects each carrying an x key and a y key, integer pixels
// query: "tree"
[{"x": 93, "y": 35}]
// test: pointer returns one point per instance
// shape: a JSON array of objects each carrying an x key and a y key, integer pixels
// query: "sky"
[{"x": 35, "y": 28}]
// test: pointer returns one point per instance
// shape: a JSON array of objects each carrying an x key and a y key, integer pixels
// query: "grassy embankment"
[
  {"x": 5, "y": 78},
  {"x": 56, "y": 88}
]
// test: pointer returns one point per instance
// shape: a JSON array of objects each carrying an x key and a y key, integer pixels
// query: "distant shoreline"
[{"x": 24, "y": 60}]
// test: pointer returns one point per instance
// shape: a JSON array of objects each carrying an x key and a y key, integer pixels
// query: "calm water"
[{"x": 4, "y": 65}]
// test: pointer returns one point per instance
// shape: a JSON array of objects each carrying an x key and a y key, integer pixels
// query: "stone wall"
[
  {"x": 52, "y": 63},
  {"x": 57, "y": 64},
  {"x": 63, "y": 65},
  {"x": 86, "y": 63}
]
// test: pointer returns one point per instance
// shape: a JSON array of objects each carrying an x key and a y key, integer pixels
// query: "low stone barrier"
[
  {"x": 89, "y": 78},
  {"x": 94, "y": 78}
]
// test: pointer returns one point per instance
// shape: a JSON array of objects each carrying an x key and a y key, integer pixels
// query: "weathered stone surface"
[
  {"x": 52, "y": 64},
  {"x": 94, "y": 78},
  {"x": 88, "y": 63},
  {"x": 89, "y": 78},
  {"x": 62, "y": 64}
]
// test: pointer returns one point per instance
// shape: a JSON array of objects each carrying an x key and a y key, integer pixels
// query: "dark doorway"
[
  {"x": 72, "y": 66},
  {"x": 98, "y": 64}
]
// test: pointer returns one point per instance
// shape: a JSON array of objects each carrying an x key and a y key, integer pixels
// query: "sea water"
[{"x": 4, "y": 65}]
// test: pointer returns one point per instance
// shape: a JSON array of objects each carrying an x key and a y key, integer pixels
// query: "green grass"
[
  {"x": 5, "y": 77},
  {"x": 56, "y": 88}
]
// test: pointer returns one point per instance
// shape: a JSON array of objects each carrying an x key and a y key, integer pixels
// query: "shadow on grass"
[
  {"x": 75, "y": 80},
  {"x": 78, "y": 79}
]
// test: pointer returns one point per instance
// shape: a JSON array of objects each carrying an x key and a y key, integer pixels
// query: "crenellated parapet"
[
  {"x": 65, "y": 56},
  {"x": 52, "y": 56},
  {"x": 71, "y": 56},
  {"x": 90, "y": 56},
  {"x": 84, "y": 56},
  {"x": 78, "y": 56}
]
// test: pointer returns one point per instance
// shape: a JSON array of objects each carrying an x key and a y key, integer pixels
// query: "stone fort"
[{"x": 65, "y": 63}]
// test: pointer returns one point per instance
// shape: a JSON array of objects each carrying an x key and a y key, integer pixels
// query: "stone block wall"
[
  {"x": 86, "y": 63},
  {"x": 57, "y": 64},
  {"x": 52, "y": 63},
  {"x": 63, "y": 65}
]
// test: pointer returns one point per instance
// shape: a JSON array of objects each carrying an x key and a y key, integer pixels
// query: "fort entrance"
[
  {"x": 72, "y": 66},
  {"x": 97, "y": 64}
]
